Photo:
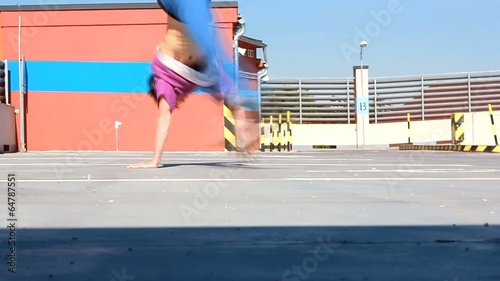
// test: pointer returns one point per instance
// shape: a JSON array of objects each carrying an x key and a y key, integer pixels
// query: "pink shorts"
[{"x": 168, "y": 84}]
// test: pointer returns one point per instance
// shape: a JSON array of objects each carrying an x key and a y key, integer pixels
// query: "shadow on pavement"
[
  {"x": 452, "y": 253},
  {"x": 212, "y": 164}
]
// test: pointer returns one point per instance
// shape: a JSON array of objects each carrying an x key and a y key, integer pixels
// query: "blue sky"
[{"x": 320, "y": 38}]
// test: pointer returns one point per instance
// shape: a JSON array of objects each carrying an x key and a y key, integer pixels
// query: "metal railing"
[
  {"x": 432, "y": 96},
  {"x": 425, "y": 97},
  {"x": 310, "y": 100}
]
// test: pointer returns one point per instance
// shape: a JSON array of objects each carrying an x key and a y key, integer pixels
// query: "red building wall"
[
  {"x": 85, "y": 121},
  {"x": 247, "y": 63}
]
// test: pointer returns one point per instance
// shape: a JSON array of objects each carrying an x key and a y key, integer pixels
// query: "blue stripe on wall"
[
  {"x": 104, "y": 77},
  {"x": 93, "y": 77},
  {"x": 87, "y": 77}
]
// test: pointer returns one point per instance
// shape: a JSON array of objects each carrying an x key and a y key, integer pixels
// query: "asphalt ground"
[{"x": 304, "y": 215}]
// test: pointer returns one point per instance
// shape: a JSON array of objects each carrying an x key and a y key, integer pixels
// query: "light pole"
[{"x": 362, "y": 45}]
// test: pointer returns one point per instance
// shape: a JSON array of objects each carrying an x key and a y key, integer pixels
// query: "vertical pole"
[
  {"x": 362, "y": 106},
  {"x": 453, "y": 129},
  {"x": 231, "y": 142},
  {"x": 469, "y": 95},
  {"x": 237, "y": 59},
  {"x": 7, "y": 82},
  {"x": 117, "y": 126},
  {"x": 300, "y": 101},
  {"x": 279, "y": 132},
  {"x": 375, "y": 99},
  {"x": 422, "y": 95},
  {"x": 262, "y": 136},
  {"x": 409, "y": 132},
  {"x": 271, "y": 133},
  {"x": 348, "y": 103},
  {"x": 362, "y": 94},
  {"x": 289, "y": 129},
  {"x": 490, "y": 109},
  {"x": 22, "y": 102},
  {"x": 259, "y": 97},
  {"x": 116, "y": 138},
  {"x": 22, "y": 118}
]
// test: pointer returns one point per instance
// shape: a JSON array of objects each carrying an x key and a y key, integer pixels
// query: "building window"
[{"x": 251, "y": 53}]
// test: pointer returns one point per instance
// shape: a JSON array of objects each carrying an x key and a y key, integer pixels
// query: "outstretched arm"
[{"x": 162, "y": 127}]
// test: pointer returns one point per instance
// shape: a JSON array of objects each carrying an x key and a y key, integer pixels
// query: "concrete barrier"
[
  {"x": 344, "y": 135},
  {"x": 319, "y": 134},
  {"x": 473, "y": 132},
  {"x": 8, "y": 139},
  {"x": 478, "y": 128},
  {"x": 477, "y": 131},
  {"x": 421, "y": 132}
]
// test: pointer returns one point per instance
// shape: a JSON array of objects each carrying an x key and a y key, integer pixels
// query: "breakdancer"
[{"x": 189, "y": 57}]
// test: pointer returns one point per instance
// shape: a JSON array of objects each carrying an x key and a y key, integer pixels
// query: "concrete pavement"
[{"x": 308, "y": 215}]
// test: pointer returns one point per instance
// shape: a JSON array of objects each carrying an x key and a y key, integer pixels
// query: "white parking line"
[
  {"x": 267, "y": 158},
  {"x": 74, "y": 158},
  {"x": 406, "y": 171},
  {"x": 261, "y": 164},
  {"x": 392, "y": 179}
]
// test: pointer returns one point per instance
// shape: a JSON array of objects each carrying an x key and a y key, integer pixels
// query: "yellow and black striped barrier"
[
  {"x": 229, "y": 130},
  {"x": 263, "y": 135},
  {"x": 482, "y": 148},
  {"x": 460, "y": 148},
  {"x": 490, "y": 109},
  {"x": 271, "y": 133},
  {"x": 280, "y": 134},
  {"x": 457, "y": 128},
  {"x": 320, "y": 146},
  {"x": 289, "y": 131}
]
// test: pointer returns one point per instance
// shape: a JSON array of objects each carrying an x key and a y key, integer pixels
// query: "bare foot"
[
  {"x": 144, "y": 165},
  {"x": 246, "y": 136}
]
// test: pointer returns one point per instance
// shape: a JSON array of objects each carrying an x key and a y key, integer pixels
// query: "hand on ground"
[{"x": 144, "y": 165}]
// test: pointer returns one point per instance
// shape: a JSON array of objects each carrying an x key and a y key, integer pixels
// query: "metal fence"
[
  {"x": 425, "y": 97},
  {"x": 309, "y": 100}
]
